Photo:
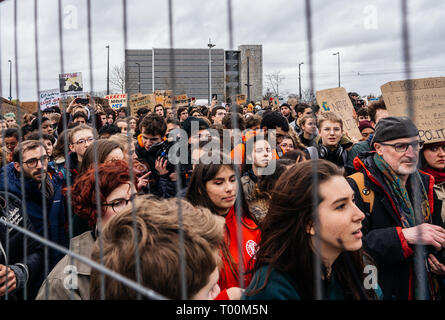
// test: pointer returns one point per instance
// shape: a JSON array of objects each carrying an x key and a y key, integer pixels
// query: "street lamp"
[
  {"x": 10, "y": 80},
  {"x": 299, "y": 80},
  {"x": 338, "y": 63},
  {"x": 210, "y": 45},
  {"x": 108, "y": 70},
  {"x": 139, "y": 77}
]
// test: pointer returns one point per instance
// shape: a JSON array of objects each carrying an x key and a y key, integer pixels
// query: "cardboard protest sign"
[
  {"x": 427, "y": 97},
  {"x": 70, "y": 84},
  {"x": 265, "y": 103},
  {"x": 275, "y": 104},
  {"x": 338, "y": 101},
  {"x": 49, "y": 98},
  {"x": 292, "y": 102},
  {"x": 117, "y": 101},
  {"x": 142, "y": 101},
  {"x": 241, "y": 98},
  {"x": 181, "y": 100},
  {"x": 163, "y": 97}
]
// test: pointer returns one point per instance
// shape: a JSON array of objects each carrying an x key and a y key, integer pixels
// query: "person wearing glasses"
[
  {"x": 116, "y": 193},
  {"x": 42, "y": 192},
  {"x": 386, "y": 185},
  {"x": 79, "y": 138}
]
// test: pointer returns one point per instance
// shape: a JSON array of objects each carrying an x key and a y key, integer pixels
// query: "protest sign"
[
  {"x": 292, "y": 102},
  {"x": 338, "y": 101},
  {"x": 163, "y": 97},
  {"x": 141, "y": 101},
  {"x": 117, "y": 101},
  {"x": 275, "y": 104},
  {"x": 265, "y": 103},
  {"x": 181, "y": 100},
  {"x": 70, "y": 84},
  {"x": 241, "y": 98},
  {"x": 427, "y": 97},
  {"x": 49, "y": 98}
]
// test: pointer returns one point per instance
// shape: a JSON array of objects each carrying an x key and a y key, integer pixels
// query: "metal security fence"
[{"x": 28, "y": 235}]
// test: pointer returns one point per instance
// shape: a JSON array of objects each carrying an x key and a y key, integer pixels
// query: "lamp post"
[
  {"x": 210, "y": 45},
  {"x": 338, "y": 63},
  {"x": 108, "y": 69},
  {"x": 139, "y": 76},
  {"x": 299, "y": 80},
  {"x": 248, "y": 80},
  {"x": 10, "y": 80}
]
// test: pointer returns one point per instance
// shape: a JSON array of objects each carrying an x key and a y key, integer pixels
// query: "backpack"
[{"x": 366, "y": 193}]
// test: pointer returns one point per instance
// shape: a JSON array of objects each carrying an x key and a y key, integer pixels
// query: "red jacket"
[{"x": 250, "y": 240}]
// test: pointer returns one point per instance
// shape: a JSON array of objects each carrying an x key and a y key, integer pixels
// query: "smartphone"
[
  {"x": 83, "y": 101},
  {"x": 214, "y": 96}
]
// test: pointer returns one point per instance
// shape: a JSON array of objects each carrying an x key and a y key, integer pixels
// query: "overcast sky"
[{"x": 366, "y": 33}]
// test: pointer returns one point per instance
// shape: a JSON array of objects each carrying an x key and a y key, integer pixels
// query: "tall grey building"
[
  {"x": 251, "y": 75},
  {"x": 152, "y": 68}
]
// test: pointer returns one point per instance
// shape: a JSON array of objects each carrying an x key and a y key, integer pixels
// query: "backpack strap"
[{"x": 366, "y": 193}]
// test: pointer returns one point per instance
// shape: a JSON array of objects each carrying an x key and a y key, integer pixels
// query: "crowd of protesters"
[{"x": 238, "y": 201}]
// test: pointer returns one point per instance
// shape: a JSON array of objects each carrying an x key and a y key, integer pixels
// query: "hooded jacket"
[
  {"x": 31, "y": 273},
  {"x": 382, "y": 230},
  {"x": 34, "y": 206}
]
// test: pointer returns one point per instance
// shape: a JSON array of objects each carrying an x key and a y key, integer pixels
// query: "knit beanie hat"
[{"x": 391, "y": 128}]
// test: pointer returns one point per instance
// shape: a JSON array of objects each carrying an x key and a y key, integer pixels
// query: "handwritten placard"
[
  {"x": 427, "y": 97},
  {"x": 141, "y": 101},
  {"x": 49, "y": 98},
  {"x": 117, "y": 101},
  {"x": 338, "y": 101}
]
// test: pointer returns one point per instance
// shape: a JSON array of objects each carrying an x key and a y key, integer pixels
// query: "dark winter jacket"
[
  {"x": 160, "y": 186},
  {"x": 356, "y": 150},
  {"x": 34, "y": 206},
  {"x": 29, "y": 274},
  {"x": 382, "y": 230}
]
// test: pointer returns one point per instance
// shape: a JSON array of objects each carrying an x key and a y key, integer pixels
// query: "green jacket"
[{"x": 281, "y": 287}]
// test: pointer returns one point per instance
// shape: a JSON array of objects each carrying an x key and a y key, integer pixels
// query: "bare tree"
[
  {"x": 308, "y": 96},
  {"x": 273, "y": 81},
  {"x": 117, "y": 79}
]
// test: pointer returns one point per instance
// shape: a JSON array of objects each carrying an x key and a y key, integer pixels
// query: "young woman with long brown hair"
[
  {"x": 291, "y": 239},
  {"x": 215, "y": 186}
]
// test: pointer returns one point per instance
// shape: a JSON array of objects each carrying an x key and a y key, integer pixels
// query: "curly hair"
[{"x": 83, "y": 193}]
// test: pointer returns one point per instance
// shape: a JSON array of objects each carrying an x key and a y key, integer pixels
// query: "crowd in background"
[{"x": 79, "y": 177}]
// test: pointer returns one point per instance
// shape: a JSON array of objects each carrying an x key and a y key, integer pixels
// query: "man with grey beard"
[{"x": 403, "y": 229}]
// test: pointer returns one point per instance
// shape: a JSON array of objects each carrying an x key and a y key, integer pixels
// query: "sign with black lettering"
[
  {"x": 427, "y": 98},
  {"x": 338, "y": 101}
]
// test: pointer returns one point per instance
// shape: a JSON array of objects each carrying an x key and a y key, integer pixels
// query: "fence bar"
[
  {"x": 136, "y": 235},
  {"x": 128, "y": 282}
]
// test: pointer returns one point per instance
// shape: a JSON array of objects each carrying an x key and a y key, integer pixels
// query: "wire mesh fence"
[{"x": 44, "y": 233}]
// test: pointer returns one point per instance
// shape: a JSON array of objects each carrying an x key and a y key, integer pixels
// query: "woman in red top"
[{"x": 216, "y": 187}]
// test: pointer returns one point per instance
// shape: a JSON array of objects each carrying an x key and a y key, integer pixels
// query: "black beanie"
[
  {"x": 187, "y": 124},
  {"x": 391, "y": 128}
]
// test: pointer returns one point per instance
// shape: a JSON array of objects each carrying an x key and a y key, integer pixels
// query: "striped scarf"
[{"x": 400, "y": 195}]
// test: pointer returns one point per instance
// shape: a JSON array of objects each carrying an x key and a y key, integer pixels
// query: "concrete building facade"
[{"x": 191, "y": 71}]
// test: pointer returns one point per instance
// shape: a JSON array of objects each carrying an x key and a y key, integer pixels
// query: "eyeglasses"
[
  {"x": 118, "y": 204},
  {"x": 402, "y": 147},
  {"x": 83, "y": 141},
  {"x": 32, "y": 163}
]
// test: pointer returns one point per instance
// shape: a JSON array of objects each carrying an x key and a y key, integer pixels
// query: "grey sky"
[{"x": 366, "y": 33}]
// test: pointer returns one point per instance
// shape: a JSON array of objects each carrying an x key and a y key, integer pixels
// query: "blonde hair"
[{"x": 329, "y": 116}]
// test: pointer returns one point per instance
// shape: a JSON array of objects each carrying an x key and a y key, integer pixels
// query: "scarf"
[
  {"x": 439, "y": 176},
  {"x": 401, "y": 197},
  {"x": 408, "y": 215}
]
